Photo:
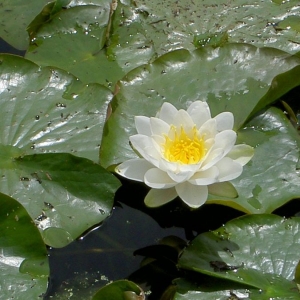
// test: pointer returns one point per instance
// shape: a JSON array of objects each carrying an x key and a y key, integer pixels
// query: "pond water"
[{"x": 107, "y": 252}]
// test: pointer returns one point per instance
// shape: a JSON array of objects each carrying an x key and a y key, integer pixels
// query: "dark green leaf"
[
  {"x": 227, "y": 77},
  {"x": 65, "y": 194},
  {"x": 15, "y": 17},
  {"x": 271, "y": 178},
  {"x": 172, "y": 25},
  {"x": 120, "y": 290},
  {"x": 77, "y": 38},
  {"x": 49, "y": 110},
  {"x": 261, "y": 251},
  {"x": 23, "y": 261}
]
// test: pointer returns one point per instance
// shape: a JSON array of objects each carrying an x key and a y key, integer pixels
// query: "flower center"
[{"x": 183, "y": 148}]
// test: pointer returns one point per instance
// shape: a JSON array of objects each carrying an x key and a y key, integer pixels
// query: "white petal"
[
  {"x": 225, "y": 140},
  {"x": 167, "y": 166},
  {"x": 167, "y": 112},
  {"x": 145, "y": 147},
  {"x": 212, "y": 157},
  {"x": 225, "y": 120},
  {"x": 134, "y": 169},
  {"x": 175, "y": 167},
  {"x": 241, "y": 153},
  {"x": 209, "y": 143},
  {"x": 142, "y": 125},
  {"x": 156, "y": 198},
  {"x": 193, "y": 195},
  {"x": 229, "y": 169},
  {"x": 199, "y": 112},
  {"x": 223, "y": 189},
  {"x": 158, "y": 142},
  {"x": 209, "y": 129},
  {"x": 157, "y": 179},
  {"x": 189, "y": 168},
  {"x": 181, "y": 176},
  {"x": 182, "y": 118},
  {"x": 159, "y": 127},
  {"x": 205, "y": 177}
]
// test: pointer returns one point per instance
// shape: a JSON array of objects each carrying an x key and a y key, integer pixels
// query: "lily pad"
[
  {"x": 261, "y": 251},
  {"x": 76, "y": 40},
  {"x": 15, "y": 17},
  {"x": 24, "y": 261},
  {"x": 180, "y": 77},
  {"x": 172, "y": 25},
  {"x": 220, "y": 295},
  {"x": 120, "y": 290},
  {"x": 59, "y": 191},
  {"x": 48, "y": 110},
  {"x": 271, "y": 178}
]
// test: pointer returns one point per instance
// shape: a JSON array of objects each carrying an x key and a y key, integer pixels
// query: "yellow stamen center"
[{"x": 182, "y": 147}]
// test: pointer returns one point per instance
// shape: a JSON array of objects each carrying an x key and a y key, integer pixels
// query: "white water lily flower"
[{"x": 186, "y": 153}]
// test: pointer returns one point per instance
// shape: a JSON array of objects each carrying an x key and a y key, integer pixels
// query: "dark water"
[
  {"x": 108, "y": 252},
  {"x": 6, "y": 48}
]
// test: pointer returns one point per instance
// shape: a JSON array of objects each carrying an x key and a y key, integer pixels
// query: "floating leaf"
[
  {"x": 59, "y": 191},
  {"x": 76, "y": 39},
  {"x": 290, "y": 22},
  {"x": 270, "y": 179},
  {"x": 181, "y": 77},
  {"x": 248, "y": 82},
  {"x": 172, "y": 25},
  {"x": 120, "y": 290},
  {"x": 48, "y": 110},
  {"x": 23, "y": 261},
  {"x": 15, "y": 17},
  {"x": 261, "y": 251}
]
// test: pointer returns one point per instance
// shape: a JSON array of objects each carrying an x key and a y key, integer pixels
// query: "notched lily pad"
[
  {"x": 181, "y": 77},
  {"x": 171, "y": 25},
  {"x": 15, "y": 17},
  {"x": 120, "y": 290},
  {"x": 265, "y": 249},
  {"x": 90, "y": 42},
  {"x": 48, "y": 110},
  {"x": 271, "y": 178},
  {"x": 253, "y": 80},
  {"x": 23, "y": 261},
  {"x": 59, "y": 191}
]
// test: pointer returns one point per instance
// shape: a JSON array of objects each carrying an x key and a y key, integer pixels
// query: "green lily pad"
[
  {"x": 290, "y": 22},
  {"x": 271, "y": 178},
  {"x": 59, "y": 191},
  {"x": 15, "y": 17},
  {"x": 172, "y": 25},
  {"x": 180, "y": 77},
  {"x": 184, "y": 289},
  {"x": 261, "y": 251},
  {"x": 221, "y": 295},
  {"x": 120, "y": 290},
  {"x": 76, "y": 39},
  {"x": 48, "y": 110},
  {"x": 23, "y": 261}
]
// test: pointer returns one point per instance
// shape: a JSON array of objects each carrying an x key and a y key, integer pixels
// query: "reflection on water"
[{"x": 107, "y": 252}]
